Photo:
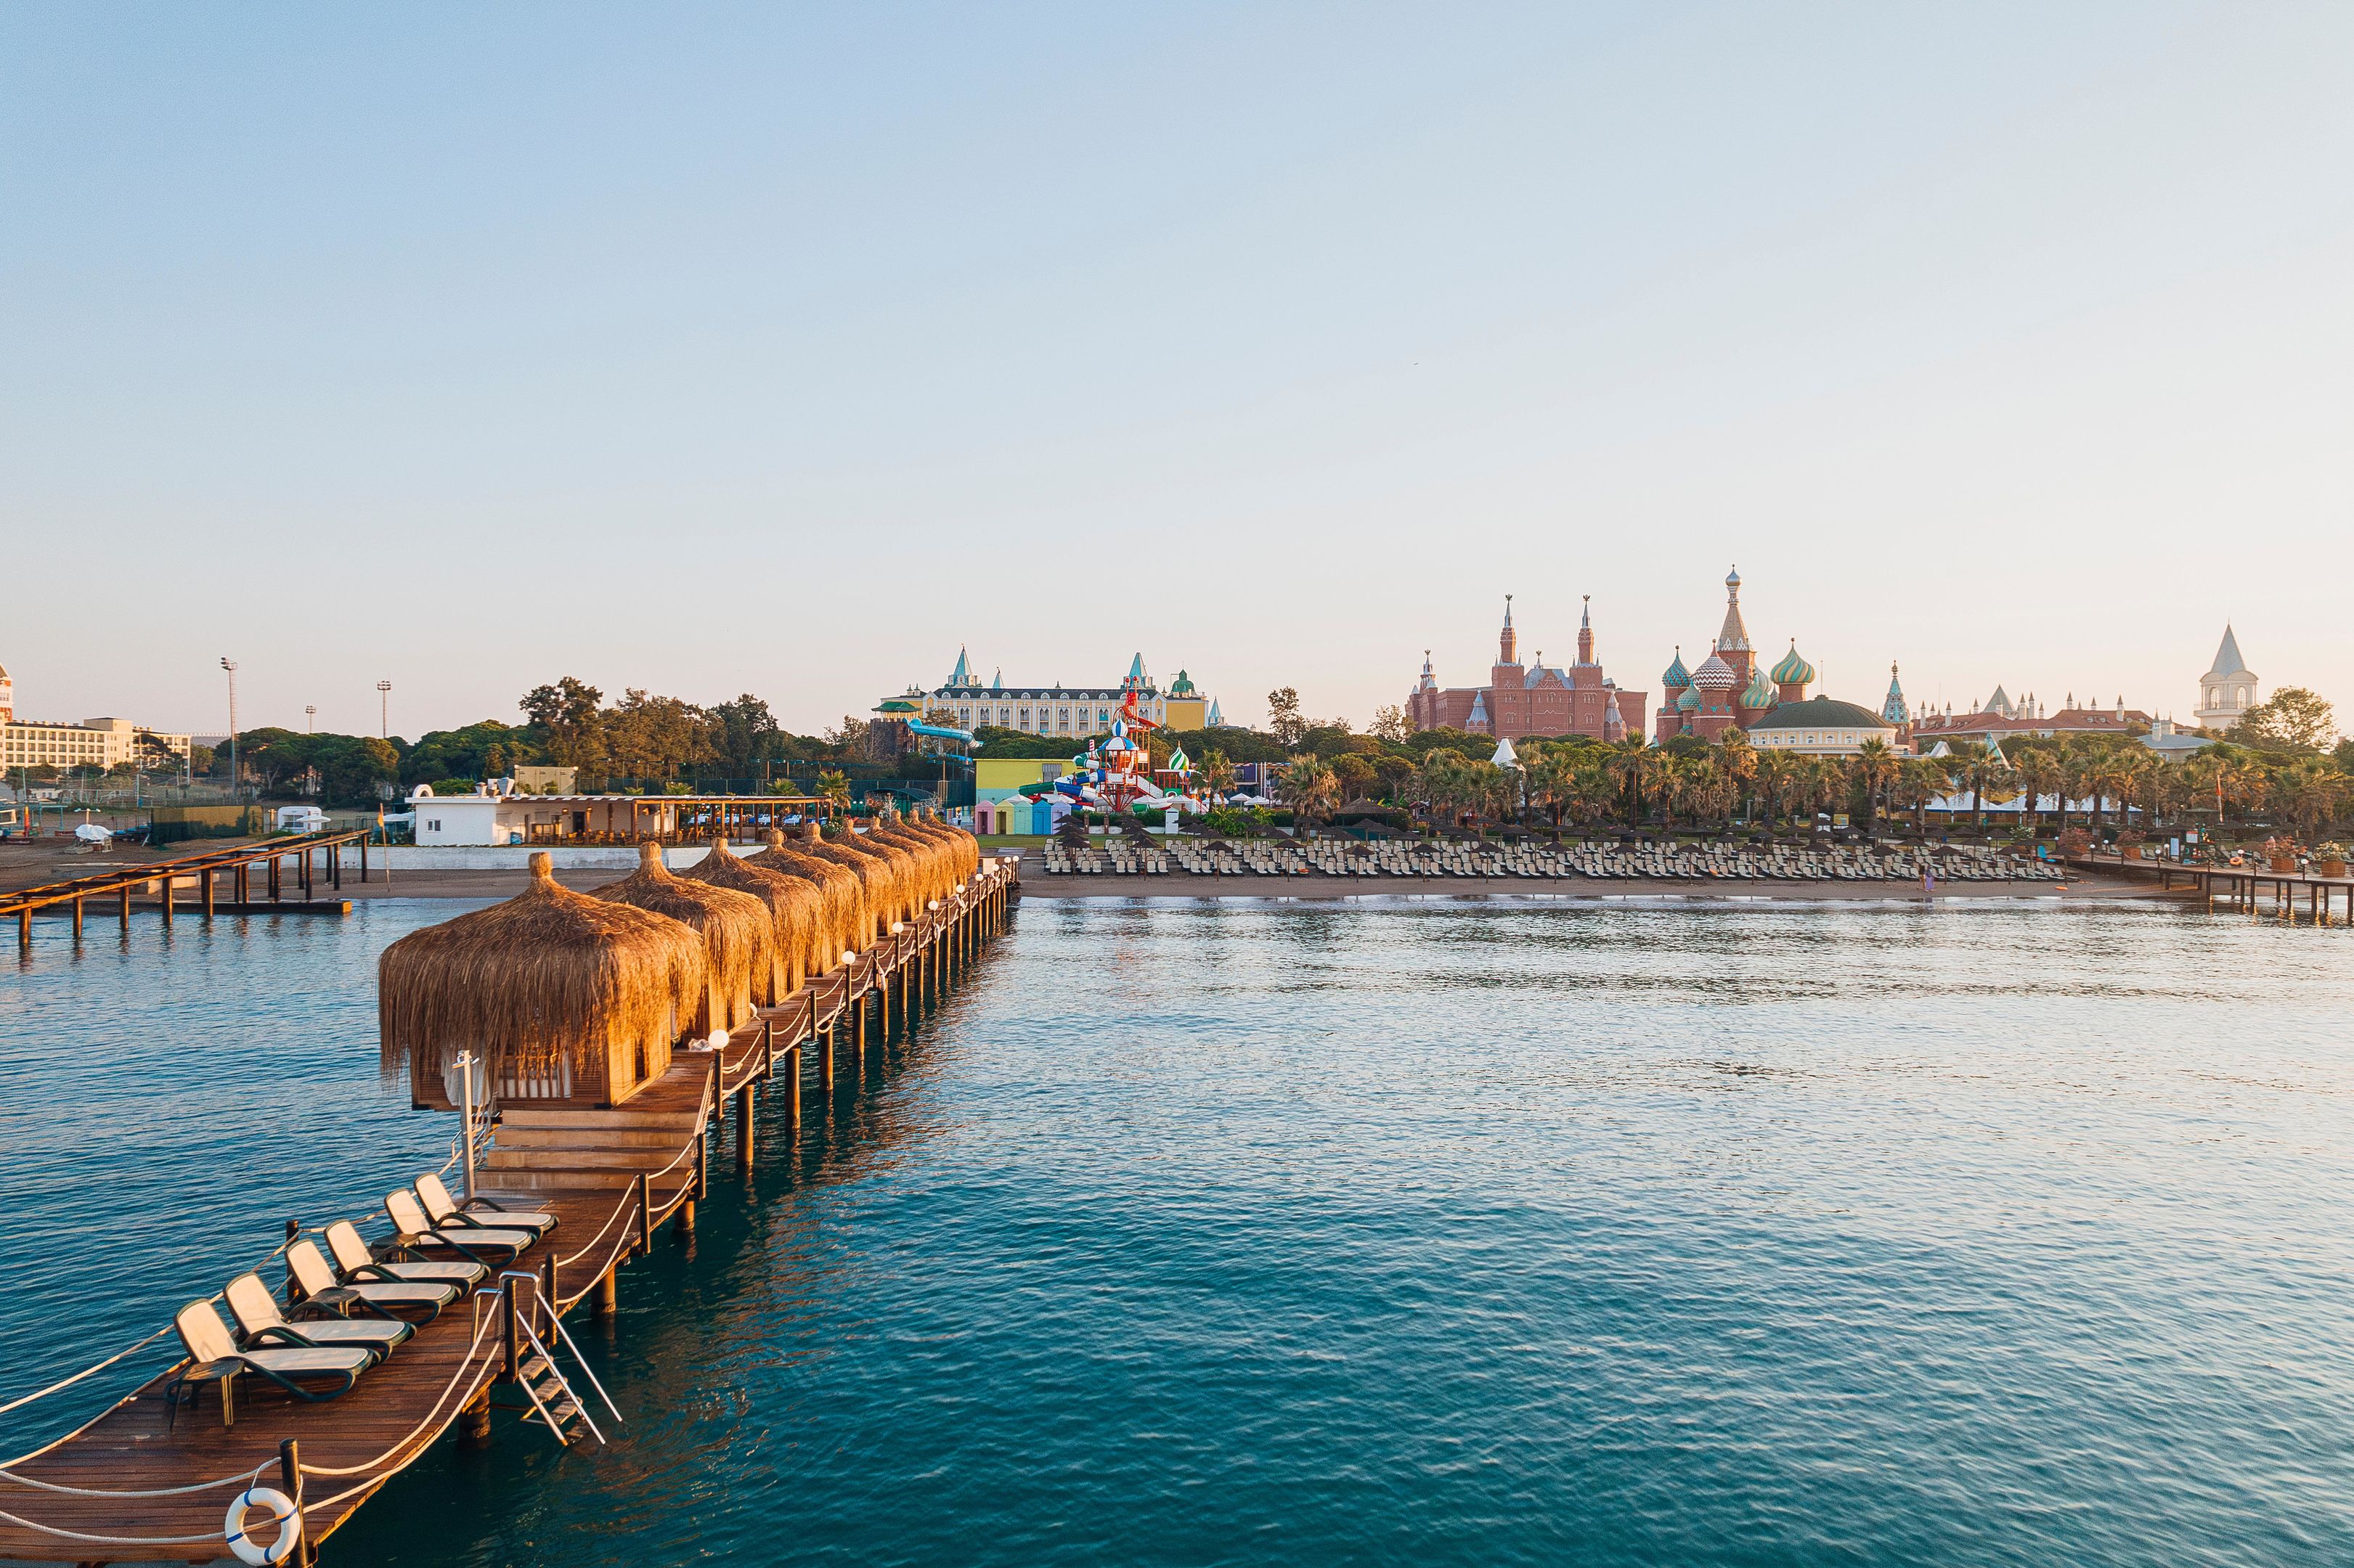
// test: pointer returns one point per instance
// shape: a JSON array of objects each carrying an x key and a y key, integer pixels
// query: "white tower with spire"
[{"x": 2228, "y": 690}]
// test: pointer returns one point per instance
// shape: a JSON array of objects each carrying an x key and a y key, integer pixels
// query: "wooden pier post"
[
  {"x": 76, "y": 917},
  {"x": 273, "y": 878},
  {"x": 364, "y": 864},
  {"x": 825, "y": 1059},
  {"x": 205, "y": 886},
  {"x": 743, "y": 1131},
  {"x": 645, "y": 1215},
  {"x": 608, "y": 1296},
  {"x": 123, "y": 906},
  {"x": 793, "y": 1089},
  {"x": 166, "y": 880},
  {"x": 289, "y": 1482},
  {"x": 474, "y": 1420}
]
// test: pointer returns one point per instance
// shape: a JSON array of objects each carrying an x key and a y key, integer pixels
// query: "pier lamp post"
[
  {"x": 384, "y": 710},
  {"x": 235, "y": 778}
]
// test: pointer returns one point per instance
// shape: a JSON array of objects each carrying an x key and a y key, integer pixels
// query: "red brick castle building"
[{"x": 1537, "y": 699}]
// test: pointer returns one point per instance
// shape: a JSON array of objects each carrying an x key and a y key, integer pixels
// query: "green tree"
[
  {"x": 1283, "y": 720},
  {"x": 2292, "y": 719},
  {"x": 744, "y": 733}
]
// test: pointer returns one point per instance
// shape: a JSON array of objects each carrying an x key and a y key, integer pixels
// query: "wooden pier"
[
  {"x": 297, "y": 875},
  {"x": 105, "y": 1492},
  {"x": 2241, "y": 889}
]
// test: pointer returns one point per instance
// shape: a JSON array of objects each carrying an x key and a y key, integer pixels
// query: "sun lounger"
[
  {"x": 264, "y": 1326},
  {"x": 417, "y": 1231},
  {"x": 316, "y": 1277},
  {"x": 214, "y": 1357},
  {"x": 448, "y": 1214},
  {"x": 354, "y": 1263}
]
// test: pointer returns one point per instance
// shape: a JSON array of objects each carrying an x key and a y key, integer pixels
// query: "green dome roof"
[
  {"x": 1677, "y": 675},
  {"x": 1822, "y": 712},
  {"x": 1689, "y": 700},
  {"x": 1759, "y": 694},
  {"x": 1794, "y": 670}
]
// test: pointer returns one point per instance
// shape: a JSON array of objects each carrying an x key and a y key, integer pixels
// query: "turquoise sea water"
[{"x": 1427, "y": 1232}]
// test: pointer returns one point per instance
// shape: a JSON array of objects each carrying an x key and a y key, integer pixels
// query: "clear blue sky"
[{"x": 710, "y": 349}]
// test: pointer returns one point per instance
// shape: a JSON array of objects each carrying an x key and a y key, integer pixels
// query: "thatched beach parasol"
[
  {"x": 561, "y": 995},
  {"x": 796, "y": 912},
  {"x": 739, "y": 939},
  {"x": 846, "y": 915},
  {"x": 908, "y": 873}
]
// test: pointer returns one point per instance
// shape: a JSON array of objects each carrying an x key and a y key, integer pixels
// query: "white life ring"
[{"x": 282, "y": 1513}]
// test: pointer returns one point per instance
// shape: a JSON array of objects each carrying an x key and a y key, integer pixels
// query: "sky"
[{"x": 788, "y": 349}]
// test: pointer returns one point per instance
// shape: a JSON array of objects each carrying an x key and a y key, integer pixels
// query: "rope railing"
[{"x": 868, "y": 969}]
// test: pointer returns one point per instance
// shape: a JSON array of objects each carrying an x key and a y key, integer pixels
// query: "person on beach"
[{"x": 1928, "y": 883}]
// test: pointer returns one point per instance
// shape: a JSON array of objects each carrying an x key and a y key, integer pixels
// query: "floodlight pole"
[
  {"x": 231, "y": 665},
  {"x": 384, "y": 710}
]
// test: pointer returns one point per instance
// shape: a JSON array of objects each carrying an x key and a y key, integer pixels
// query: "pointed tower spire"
[
  {"x": 1893, "y": 710},
  {"x": 962, "y": 675},
  {"x": 1508, "y": 644},
  {"x": 1585, "y": 631}
]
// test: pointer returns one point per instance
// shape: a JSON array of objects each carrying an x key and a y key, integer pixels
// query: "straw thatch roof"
[
  {"x": 846, "y": 914},
  {"x": 795, "y": 911},
  {"x": 886, "y": 900},
  {"x": 548, "y": 977},
  {"x": 738, "y": 936}
]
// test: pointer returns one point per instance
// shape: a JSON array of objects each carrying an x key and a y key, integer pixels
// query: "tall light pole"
[
  {"x": 384, "y": 710},
  {"x": 310, "y": 711},
  {"x": 234, "y": 777}
]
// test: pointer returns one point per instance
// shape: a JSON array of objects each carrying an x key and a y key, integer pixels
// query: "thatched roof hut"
[
  {"x": 846, "y": 914},
  {"x": 796, "y": 912},
  {"x": 909, "y": 875},
  {"x": 886, "y": 900},
  {"x": 561, "y": 996},
  {"x": 739, "y": 939},
  {"x": 928, "y": 869}
]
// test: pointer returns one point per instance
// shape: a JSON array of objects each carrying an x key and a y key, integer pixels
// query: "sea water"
[{"x": 1429, "y": 1232}]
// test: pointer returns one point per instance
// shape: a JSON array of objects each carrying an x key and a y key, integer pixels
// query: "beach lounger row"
[
  {"x": 1665, "y": 861},
  {"x": 352, "y": 1306}
]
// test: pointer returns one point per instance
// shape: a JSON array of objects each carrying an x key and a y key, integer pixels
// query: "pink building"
[{"x": 1537, "y": 699}]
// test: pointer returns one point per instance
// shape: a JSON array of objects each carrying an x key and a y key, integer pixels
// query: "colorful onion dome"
[
  {"x": 1677, "y": 675},
  {"x": 1758, "y": 694},
  {"x": 1689, "y": 700},
  {"x": 1794, "y": 670},
  {"x": 1715, "y": 674}
]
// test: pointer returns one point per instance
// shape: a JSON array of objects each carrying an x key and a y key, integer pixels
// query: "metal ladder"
[{"x": 531, "y": 1362}]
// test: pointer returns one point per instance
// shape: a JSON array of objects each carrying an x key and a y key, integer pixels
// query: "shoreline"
[{"x": 1325, "y": 889}]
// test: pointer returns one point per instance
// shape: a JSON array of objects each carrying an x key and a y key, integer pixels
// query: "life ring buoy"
[{"x": 282, "y": 1513}]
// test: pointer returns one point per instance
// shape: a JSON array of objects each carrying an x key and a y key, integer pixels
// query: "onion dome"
[
  {"x": 1676, "y": 676},
  {"x": 1689, "y": 700},
  {"x": 1794, "y": 670},
  {"x": 1758, "y": 694},
  {"x": 1715, "y": 674}
]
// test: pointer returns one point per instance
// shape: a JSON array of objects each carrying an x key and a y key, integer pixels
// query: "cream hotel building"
[{"x": 99, "y": 743}]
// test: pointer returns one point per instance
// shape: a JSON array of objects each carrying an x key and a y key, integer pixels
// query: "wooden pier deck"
[
  {"x": 114, "y": 1467},
  {"x": 2249, "y": 889},
  {"x": 317, "y": 865}
]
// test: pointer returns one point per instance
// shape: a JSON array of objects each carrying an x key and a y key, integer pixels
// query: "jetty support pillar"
[{"x": 792, "y": 1088}]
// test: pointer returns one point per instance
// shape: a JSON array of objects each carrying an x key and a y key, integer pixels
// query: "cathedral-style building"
[
  {"x": 1729, "y": 691},
  {"x": 1538, "y": 699}
]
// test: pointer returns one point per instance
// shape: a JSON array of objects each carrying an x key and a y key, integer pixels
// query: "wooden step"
[
  {"x": 505, "y": 1161},
  {"x": 627, "y": 1118},
  {"x": 511, "y": 1137},
  {"x": 569, "y": 1180}
]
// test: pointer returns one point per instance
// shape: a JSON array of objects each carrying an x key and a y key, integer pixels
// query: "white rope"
[
  {"x": 70, "y": 1381},
  {"x": 464, "y": 1367},
  {"x": 111, "y": 1540},
  {"x": 159, "y": 1492}
]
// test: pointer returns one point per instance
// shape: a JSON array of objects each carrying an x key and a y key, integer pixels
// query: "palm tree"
[
  {"x": 1218, "y": 773},
  {"x": 1775, "y": 772},
  {"x": 1874, "y": 768},
  {"x": 1310, "y": 787},
  {"x": 1639, "y": 770},
  {"x": 1738, "y": 759},
  {"x": 1919, "y": 780},
  {"x": 833, "y": 787},
  {"x": 2039, "y": 774}
]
